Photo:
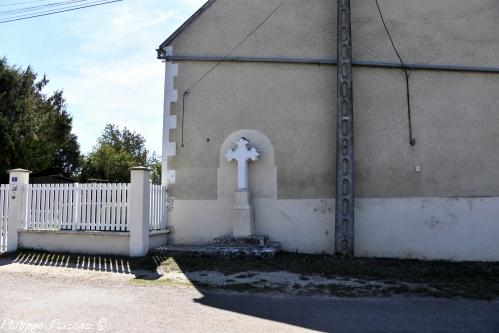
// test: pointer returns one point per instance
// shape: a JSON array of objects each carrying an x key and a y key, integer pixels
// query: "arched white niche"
[{"x": 262, "y": 173}]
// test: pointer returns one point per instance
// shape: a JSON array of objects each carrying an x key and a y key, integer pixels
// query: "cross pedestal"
[
  {"x": 243, "y": 212},
  {"x": 243, "y": 215},
  {"x": 243, "y": 242}
]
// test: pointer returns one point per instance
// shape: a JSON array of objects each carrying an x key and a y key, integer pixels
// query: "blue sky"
[{"x": 104, "y": 59}]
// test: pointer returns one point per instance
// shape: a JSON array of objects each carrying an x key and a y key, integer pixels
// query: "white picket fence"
[
  {"x": 94, "y": 207},
  {"x": 4, "y": 212},
  {"x": 158, "y": 207}
]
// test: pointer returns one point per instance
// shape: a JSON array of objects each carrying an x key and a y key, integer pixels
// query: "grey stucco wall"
[
  {"x": 427, "y": 31},
  {"x": 298, "y": 124},
  {"x": 456, "y": 115}
]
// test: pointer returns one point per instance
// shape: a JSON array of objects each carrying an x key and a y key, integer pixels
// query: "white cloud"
[{"x": 113, "y": 75}]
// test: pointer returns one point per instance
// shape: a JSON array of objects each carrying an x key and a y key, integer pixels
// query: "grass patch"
[
  {"x": 478, "y": 280},
  {"x": 163, "y": 283}
]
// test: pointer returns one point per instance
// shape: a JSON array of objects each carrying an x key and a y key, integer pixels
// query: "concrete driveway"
[{"x": 41, "y": 299}]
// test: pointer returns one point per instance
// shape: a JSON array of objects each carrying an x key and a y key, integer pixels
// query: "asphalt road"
[{"x": 41, "y": 303}]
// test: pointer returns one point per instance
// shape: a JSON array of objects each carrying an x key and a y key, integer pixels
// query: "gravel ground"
[{"x": 46, "y": 298}]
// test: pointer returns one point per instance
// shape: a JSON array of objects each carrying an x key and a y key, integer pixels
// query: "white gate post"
[
  {"x": 138, "y": 204},
  {"x": 18, "y": 181}
]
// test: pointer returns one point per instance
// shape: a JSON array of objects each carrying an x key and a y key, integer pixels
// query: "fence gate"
[
  {"x": 95, "y": 207},
  {"x": 4, "y": 212}
]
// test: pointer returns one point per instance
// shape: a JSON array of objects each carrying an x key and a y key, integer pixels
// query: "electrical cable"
[
  {"x": 184, "y": 95},
  {"x": 42, "y": 12},
  {"x": 187, "y": 91},
  {"x": 59, "y": 11},
  {"x": 40, "y": 8},
  {"x": 29, "y": 12},
  {"x": 412, "y": 140},
  {"x": 21, "y": 3}
]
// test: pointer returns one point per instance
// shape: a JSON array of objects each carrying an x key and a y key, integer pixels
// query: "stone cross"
[{"x": 242, "y": 154}]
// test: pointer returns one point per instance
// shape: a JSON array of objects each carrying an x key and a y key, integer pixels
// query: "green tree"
[
  {"x": 116, "y": 152},
  {"x": 155, "y": 165},
  {"x": 35, "y": 129},
  {"x": 125, "y": 141}
]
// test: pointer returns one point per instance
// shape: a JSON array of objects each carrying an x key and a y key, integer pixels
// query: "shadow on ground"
[
  {"x": 442, "y": 285},
  {"x": 347, "y": 278},
  {"x": 142, "y": 268}
]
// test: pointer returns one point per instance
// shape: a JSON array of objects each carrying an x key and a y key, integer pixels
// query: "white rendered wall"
[
  {"x": 98, "y": 243},
  {"x": 169, "y": 148},
  {"x": 428, "y": 228},
  {"x": 158, "y": 239},
  {"x": 424, "y": 228},
  {"x": 85, "y": 242},
  {"x": 300, "y": 225}
]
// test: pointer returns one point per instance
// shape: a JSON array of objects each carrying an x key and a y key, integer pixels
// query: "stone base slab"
[
  {"x": 230, "y": 240},
  {"x": 268, "y": 251}
]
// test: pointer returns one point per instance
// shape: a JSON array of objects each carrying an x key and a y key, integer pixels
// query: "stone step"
[
  {"x": 261, "y": 240},
  {"x": 267, "y": 251}
]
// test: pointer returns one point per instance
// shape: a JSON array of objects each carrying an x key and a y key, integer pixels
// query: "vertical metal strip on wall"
[{"x": 344, "y": 224}]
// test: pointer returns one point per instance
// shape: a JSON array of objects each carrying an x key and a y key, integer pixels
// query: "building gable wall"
[{"x": 455, "y": 114}]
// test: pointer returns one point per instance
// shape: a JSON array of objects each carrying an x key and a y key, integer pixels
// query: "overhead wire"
[
  {"x": 251, "y": 33},
  {"x": 38, "y": 7},
  {"x": 412, "y": 140},
  {"x": 22, "y": 3},
  {"x": 42, "y": 12},
  {"x": 65, "y": 9}
]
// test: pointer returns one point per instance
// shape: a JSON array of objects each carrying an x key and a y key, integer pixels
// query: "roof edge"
[{"x": 184, "y": 26}]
